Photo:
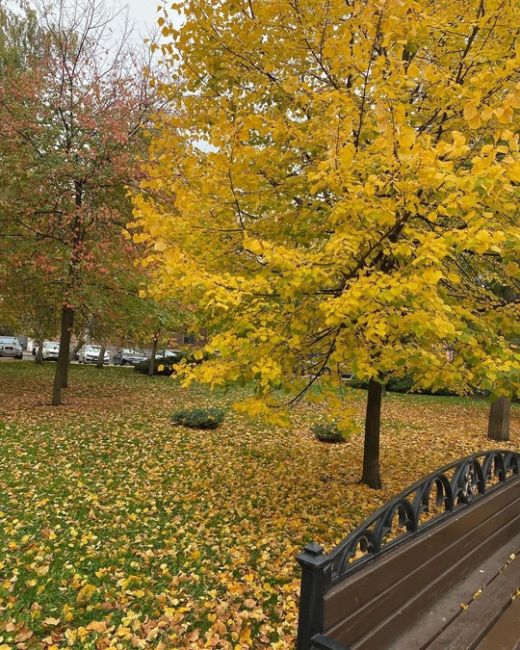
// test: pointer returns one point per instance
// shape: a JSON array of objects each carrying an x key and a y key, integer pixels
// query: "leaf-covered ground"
[{"x": 119, "y": 530}]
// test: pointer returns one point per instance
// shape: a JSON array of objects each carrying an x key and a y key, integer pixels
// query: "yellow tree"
[{"x": 338, "y": 186}]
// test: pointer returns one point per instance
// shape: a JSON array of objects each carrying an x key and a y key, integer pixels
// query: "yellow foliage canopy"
[{"x": 339, "y": 187}]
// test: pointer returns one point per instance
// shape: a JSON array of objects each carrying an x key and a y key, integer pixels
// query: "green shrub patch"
[
  {"x": 327, "y": 432},
  {"x": 199, "y": 418}
]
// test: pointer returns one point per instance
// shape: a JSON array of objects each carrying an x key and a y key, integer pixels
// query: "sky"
[{"x": 143, "y": 13}]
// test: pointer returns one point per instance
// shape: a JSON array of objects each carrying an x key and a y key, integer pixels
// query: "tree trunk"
[
  {"x": 62, "y": 365},
  {"x": 371, "y": 476},
  {"x": 76, "y": 349},
  {"x": 66, "y": 332},
  {"x": 151, "y": 363},
  {"x": 65, "y": 376},
  {"x": 39, "y": 352},
  {"x": 499, "y": 419},
  {"x": 101, "y": 357}
]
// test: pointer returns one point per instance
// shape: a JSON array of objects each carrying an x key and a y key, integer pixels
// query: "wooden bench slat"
[
  {"x": 505, "y": 634},
  {"x": 484, "y": 613},
  {"x": 441, "y": 613},
  {"x": 390, "y": 628},
  {"x": 355, "y": 606}
]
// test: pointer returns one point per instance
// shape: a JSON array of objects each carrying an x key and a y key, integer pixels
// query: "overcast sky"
[{"x": 143, "y": 13}]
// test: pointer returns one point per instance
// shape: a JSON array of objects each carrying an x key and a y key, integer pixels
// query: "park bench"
[{"x": 435, "y": 568}]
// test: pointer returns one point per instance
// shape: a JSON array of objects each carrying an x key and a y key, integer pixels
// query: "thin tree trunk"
[
  {"x": 76, "y": 348},
  {"x": 151, "y": 363},
  {"x": 371, "y": 475},
  {"x": 62, "y": 365},
  {"x": 101, "y": 357},
  {"x": 65, "y": 375},
  {"x": 39, "y": 351},
  {"x": 499, "y": 419}
]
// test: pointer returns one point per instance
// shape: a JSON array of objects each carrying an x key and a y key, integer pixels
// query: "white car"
[
  {"x": 50, "y": 351},
  {"x": 10, "y": 347},
  {"x": 90, "y": 354}
]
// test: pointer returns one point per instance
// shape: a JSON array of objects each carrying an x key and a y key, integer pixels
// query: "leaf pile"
[{"x": 119, "y": 530}]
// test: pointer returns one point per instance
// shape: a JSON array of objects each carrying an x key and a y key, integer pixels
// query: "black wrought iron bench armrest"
[{"x": 422, "y": 545}]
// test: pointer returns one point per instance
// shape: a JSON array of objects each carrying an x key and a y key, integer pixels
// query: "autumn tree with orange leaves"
[{"x": 72, "y": 121}]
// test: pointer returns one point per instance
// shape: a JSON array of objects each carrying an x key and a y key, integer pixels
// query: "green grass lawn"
[{"x": 120, "y": 530}]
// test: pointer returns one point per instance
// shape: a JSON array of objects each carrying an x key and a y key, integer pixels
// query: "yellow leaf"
[
  {"x": 413, "y": 70},
  {"x": 470, "y": 110},
  {"x": 458, "y": 139},
  {"x": 407, "y": 139},
  {"x": 68, "y": 613},
  {"x": 160, "y": 245},
  {"x": 245, "y": 636},
  {"x": 253, "y": 245},
  {"x": 346, "y": 155},
  {"x": 475, "y": 122},
  {"x": 514, "y": 171},
  {"x": 85, "y": 594}
]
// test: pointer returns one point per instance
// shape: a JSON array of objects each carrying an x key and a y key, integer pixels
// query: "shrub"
[
  {"x": 403, "y": 385},
  {"x": 327, "y": 432},
  {"x": 199, "y": 418},
  {"x": 159, "y": 368}
]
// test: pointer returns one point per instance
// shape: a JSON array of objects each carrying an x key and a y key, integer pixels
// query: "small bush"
[
  {"x": 403, "y": 385},
  {"x": 159, "y": 368},
  {"x": 199, "y": 418},
  {"x": 327, "y": 432}
]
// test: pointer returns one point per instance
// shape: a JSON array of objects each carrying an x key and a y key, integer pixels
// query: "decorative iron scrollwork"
[{"x": 448, "y": 489}]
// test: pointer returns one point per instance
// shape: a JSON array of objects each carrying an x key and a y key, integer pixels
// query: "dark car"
[
  {"x": 128, "y": 357},
  {"x": 170, "y": 356},
  {"x": 165, "y": 362}
]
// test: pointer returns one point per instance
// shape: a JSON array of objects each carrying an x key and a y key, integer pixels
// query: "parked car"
[
  {"x": 50, "y": 351},
  {"x": 170, "y": 356},
  {"x": 128, "y": 356},
  {"x": 165, "y": 361},
  {"x": 90, "y": 354},
  {"x": 10, "y": 347}
]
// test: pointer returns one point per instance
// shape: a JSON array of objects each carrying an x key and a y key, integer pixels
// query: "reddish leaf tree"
[{"x": 75, "y": 120}]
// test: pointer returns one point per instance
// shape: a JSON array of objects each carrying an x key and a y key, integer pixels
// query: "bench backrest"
[{"x": 371, "y": 587}]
